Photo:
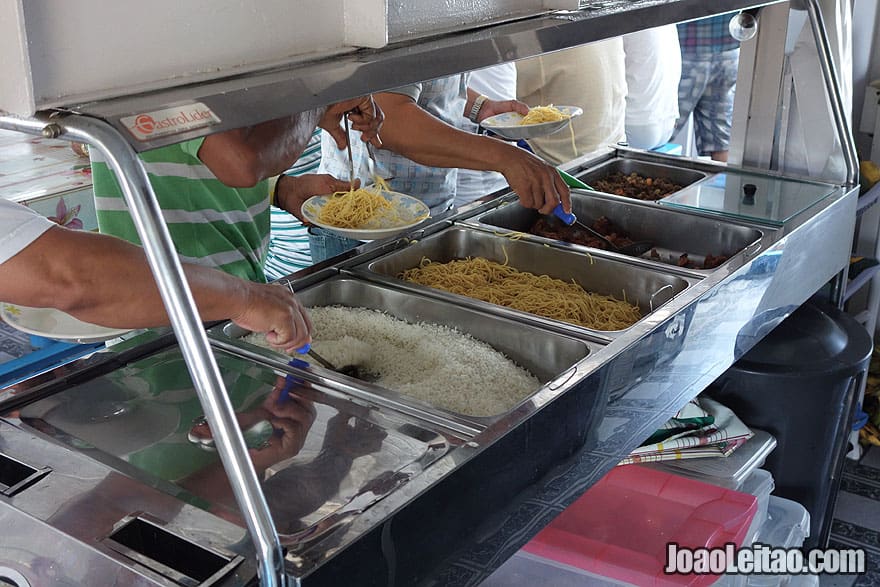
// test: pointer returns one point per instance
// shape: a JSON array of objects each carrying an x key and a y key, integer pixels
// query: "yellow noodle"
[
  {"x": 353, "y": 209},
  {"x": 537, "y": 294},
  {"x": 540, "y": 114},
  {"x": 380, "y": 184},
  {"x": 362, "y": 208},
  {"x": 512, "y": 235}
]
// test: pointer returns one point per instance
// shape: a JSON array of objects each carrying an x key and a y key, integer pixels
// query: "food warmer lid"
[{"x": 751, "y": 197}]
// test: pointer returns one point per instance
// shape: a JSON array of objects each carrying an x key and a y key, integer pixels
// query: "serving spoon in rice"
[{"x": 350, "y": 370}]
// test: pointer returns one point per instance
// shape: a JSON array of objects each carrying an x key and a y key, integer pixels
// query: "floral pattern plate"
[
  {"x": 508, "y": 124},
  {"x": 410, "y": 211}
]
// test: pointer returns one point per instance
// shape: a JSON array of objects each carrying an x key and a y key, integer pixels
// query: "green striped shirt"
[
  {"x": 289, "y": 243},
  {"x": 211, "y": 223}
]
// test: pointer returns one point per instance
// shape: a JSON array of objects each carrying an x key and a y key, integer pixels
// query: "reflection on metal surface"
[
  {"x": 321, "y": 459},
  {"x": 35, "y": 554},
  {"x": 181, "y": 309}
]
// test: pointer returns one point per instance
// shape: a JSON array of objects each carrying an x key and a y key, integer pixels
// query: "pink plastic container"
[{"x": 620, "y": 528}]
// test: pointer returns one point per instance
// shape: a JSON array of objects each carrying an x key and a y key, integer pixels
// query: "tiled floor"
[{"x": 857, "y": 518}]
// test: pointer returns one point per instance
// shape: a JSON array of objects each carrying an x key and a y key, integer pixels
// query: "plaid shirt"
[
  {"x": 435, "y": 186},
  {"x": 708, "y": 35}
]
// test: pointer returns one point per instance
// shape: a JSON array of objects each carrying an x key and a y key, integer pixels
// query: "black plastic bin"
[{"x": 799, "y": 383}]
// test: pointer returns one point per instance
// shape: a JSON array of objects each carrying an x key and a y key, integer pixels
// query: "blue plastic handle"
[
  {"x": 568, "y": 219},
  {"x": 305, "y": 349},
  {"x": 290, "y": 380}
]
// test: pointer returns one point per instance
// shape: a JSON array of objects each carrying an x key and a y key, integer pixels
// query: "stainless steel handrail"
[
  {"x": 832, "y": 85},
  {"x": 181, "y": 307}
]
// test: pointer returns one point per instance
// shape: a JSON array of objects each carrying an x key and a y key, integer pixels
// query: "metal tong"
[
  {"x": 350, "y": 158},
  {"x": 372, "y": 164},
  {"x": 637, "y": 248}
]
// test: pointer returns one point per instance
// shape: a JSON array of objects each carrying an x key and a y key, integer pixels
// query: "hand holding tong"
[{"x": 637, "y": 248}]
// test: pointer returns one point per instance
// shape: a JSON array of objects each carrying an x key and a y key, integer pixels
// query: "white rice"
[{"x": 432, "y": 363}]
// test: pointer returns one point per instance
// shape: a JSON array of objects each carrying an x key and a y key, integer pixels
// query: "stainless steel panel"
[
  {"x": 71, "y": 511},
  {"x": 321, "y": 459},
  {"x": 672, "y": 234},
  {"x": 300, "y": 83},
  {"x": 412, "y": 19},
  {"x": 647, "y": 288},
  {"x": 681, "y": 176},
  {"x": 33, "y": 554},
  {"x": 543, "y": 353}
]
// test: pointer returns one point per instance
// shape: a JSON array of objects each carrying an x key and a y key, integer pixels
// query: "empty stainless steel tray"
[
  {"x": 543, "y": 353},
  {"x": 645, "y": 287},
  {"x": 677, "y": 175},
  {"x": 673, "y": 234}
]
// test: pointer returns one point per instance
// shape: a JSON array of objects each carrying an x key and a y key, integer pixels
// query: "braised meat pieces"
[
  {"x": 551, "y": 228},
  {"x": 710, "y": 262},
  {"x": 636, "y": 186}
]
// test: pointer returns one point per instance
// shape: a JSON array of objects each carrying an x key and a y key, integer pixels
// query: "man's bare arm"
[{"x": 107, "y": 281}]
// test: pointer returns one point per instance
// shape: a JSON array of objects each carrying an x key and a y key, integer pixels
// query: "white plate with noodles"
[
  {"x": 55, "y": 324},
  {"x": 365, "y": 214},
  {"x": 539, "y": 122}
]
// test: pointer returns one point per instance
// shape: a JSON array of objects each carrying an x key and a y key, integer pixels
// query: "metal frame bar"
[
  {"x": 757, "y": 99},
  {"x": 180, "y": 304},
  {"x": 832, "y": 85}
]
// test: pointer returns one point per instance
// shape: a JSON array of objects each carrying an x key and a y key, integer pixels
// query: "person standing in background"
[
  {"x": 709, "y": 62},
  {"x": 591, "y": 76},
  {"x": 653, "y": 72},
  {"x": 497, "y": 83},
  {"x": 289, "y": 237}
]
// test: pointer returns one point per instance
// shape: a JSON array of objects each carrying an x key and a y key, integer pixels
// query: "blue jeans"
[{"x": 325, "y": 244}]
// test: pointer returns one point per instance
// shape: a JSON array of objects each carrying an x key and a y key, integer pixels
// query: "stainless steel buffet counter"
[{"x": 369, "y": 486}]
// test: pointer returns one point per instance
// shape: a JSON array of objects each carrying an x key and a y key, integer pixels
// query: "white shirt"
[
  {"x": 591, "y": 76},
  {"x": 19, "y": 227},
  {"x": 653, "y": 70},
  {"x": 498, "y": 83}
]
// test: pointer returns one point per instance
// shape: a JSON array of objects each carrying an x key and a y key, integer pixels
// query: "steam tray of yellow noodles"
[
  {"x": 542, "y": 295},
  {"x": 366, "y": 213},
  {"x": 540, "y": 121}
]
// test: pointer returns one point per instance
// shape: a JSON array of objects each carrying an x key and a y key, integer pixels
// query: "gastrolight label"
[{"x": 168, "y": 121}]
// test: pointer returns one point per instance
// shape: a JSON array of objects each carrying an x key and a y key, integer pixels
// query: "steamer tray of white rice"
[{"x": 429, "y": 354}]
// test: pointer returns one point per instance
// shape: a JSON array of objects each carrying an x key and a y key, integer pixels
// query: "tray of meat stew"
[
  {"x": 639, "y": 180},
  {"x": 693, "y": 242}
]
